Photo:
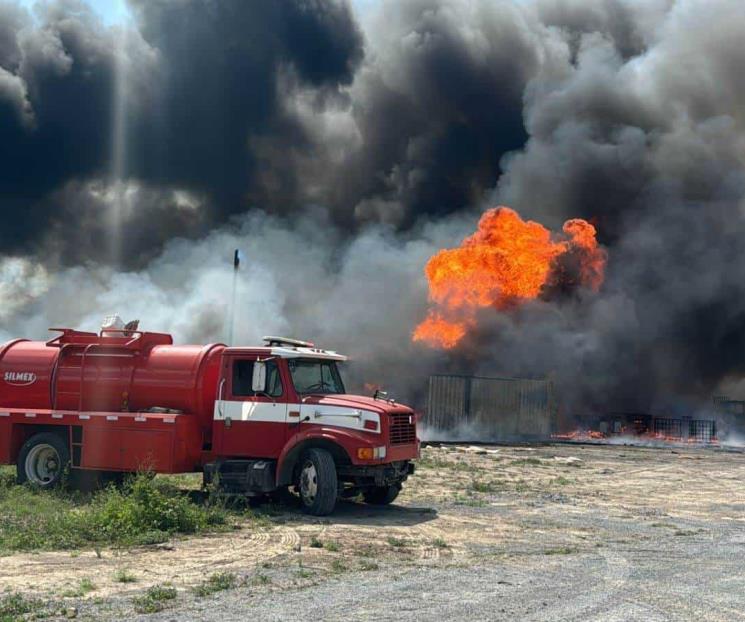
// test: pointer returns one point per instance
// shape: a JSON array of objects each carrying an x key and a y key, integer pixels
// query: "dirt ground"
[{"x": 555, "y": 532}]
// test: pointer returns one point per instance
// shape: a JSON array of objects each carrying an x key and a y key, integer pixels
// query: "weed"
[
  {"x": 368, "y": 564},
  {"x": 218, "y": 582},
  {"x": 124, "y": 576},
  {"x": 15, "y": 607},
  {"x": 155, "y": 599},
  {"x": 440, "y": 543},
  {"x": 561, "y": 481},
  {"x": 84, "y": 587},
  {"x": 332, "y": 546},
  {"x": 397, "y": 543},
  {"x": 338, "y": 566},
  {"x": 315, "y": 543},
  {"x": 491, "y": 486}
]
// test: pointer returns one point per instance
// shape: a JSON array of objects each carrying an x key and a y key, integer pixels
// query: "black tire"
[
  {"x": 43, "y": 460},
  {"x": 317, "y": 484},
  {"x": 381, "y": 495}
]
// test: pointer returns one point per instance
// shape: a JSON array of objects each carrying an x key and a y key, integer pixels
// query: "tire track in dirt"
[
  {"x": 181, "y": 562},
  {"x": 592, "y": 600}
]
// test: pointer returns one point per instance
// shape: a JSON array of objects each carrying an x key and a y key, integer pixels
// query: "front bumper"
[{"x": 378, "y": 475}]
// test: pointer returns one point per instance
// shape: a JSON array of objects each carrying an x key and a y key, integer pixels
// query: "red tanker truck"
[{"x": 253, "y": 419}]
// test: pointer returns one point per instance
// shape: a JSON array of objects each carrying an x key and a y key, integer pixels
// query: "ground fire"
[{"x": 506, "y": 262}]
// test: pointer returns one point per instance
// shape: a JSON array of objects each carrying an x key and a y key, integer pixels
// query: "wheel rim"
[
  {"x": 43, "y": 464},
  {"x": 308, "y": 483}
]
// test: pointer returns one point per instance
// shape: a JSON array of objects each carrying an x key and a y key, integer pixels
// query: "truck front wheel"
[
  {"x": 43, "y": 460},
  {"x": 382, "y": 495},
  {"x": 317, "y": 482}
]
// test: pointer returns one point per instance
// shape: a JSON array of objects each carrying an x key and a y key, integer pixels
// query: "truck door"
[{"x": 249, "y": 424}]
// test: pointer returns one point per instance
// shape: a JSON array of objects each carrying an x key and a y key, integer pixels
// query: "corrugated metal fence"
[{"x": 497, "y": 408}]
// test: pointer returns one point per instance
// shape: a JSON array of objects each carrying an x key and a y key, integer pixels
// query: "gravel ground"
[
  {"x": 551, "y": 533},
  {"x": 636, "y": 576}
]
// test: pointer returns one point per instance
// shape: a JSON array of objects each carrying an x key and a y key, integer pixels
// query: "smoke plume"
[{"x": 341, "y": 152}]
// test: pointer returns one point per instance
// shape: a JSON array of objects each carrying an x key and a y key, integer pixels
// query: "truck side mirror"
[{"x": 258, "y": 380}]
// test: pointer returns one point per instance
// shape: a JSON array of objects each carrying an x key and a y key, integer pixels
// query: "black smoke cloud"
[
  {"x": 274, "y": 105},
  {"x": 199, "y": 82},
  {"x": 638, "y": 125},
  {"x": 626, "y": 113},
  {"x": 434, "y": 109}
]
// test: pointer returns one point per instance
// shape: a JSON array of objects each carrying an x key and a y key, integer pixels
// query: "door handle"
[{"x": 219, "y": 397}]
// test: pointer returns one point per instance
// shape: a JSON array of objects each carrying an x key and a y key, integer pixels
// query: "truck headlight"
[{"x": 371, "y": 453}]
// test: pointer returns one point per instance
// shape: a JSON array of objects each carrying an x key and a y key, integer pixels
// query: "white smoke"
[{"x": 361, "y": 296}]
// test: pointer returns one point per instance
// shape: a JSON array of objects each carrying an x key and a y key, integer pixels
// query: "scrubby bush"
[
  {"x": 145, "y": 510},
  {"x": 154, "y": 599}
]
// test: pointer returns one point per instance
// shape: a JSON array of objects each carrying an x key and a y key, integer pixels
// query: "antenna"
[{"x": 231, "y": 310}]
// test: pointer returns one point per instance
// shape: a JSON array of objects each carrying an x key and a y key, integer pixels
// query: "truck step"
[{"x": 242, "y": 476}]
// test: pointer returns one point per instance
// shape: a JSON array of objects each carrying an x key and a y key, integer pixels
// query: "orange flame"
[
  {"x": 438, "y": 331},
  {"x": 505, "y": 262}
]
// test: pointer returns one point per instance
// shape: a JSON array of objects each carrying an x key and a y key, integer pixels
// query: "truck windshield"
[{"x": 315, "y": 376}]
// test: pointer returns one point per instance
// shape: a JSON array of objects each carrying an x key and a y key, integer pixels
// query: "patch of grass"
[
  {"x": 397, "y": 543},
  {"x": 315, "y": 543},
  {"x": 438, "y": 463},
  {"x": 7, "y": 477},
  {"x": 155, "y": 599},
  {"x": 261, "y": 579},
  {"x": 332, "y": 546},
  {"x": 439, "y": 543},
  {"x": 368, "y": 564},
  {"x": 561, "y": 481},
  {"x": 562, "y": 550},
  {"x": 124, "y": 576},
  {"x": 365, "y": 551},
  {"x": 338, "y": 566},
  {"x": 145, "y": 510},
  {"x": 470, "y": 502},
  {"x": 15, "y": 607},
  {"x": 486, "y": 487},
  {"x": 86, "y": 586},
  {"x": 217, "y": 582}
]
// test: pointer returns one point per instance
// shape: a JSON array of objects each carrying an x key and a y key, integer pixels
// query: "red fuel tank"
[{"x": 88, "y": 372}]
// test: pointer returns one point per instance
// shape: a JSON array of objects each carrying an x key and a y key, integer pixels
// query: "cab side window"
[{"x": 243, "y": 373}]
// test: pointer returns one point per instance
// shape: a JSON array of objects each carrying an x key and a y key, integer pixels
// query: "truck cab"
[{"x": 283, "y": 418}]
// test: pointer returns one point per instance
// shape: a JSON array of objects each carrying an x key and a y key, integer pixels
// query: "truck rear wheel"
[
  {"x": 381, "y": 495},
  {"x": 43, "y": 460},
  {"x": 317, "y": 484}
]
